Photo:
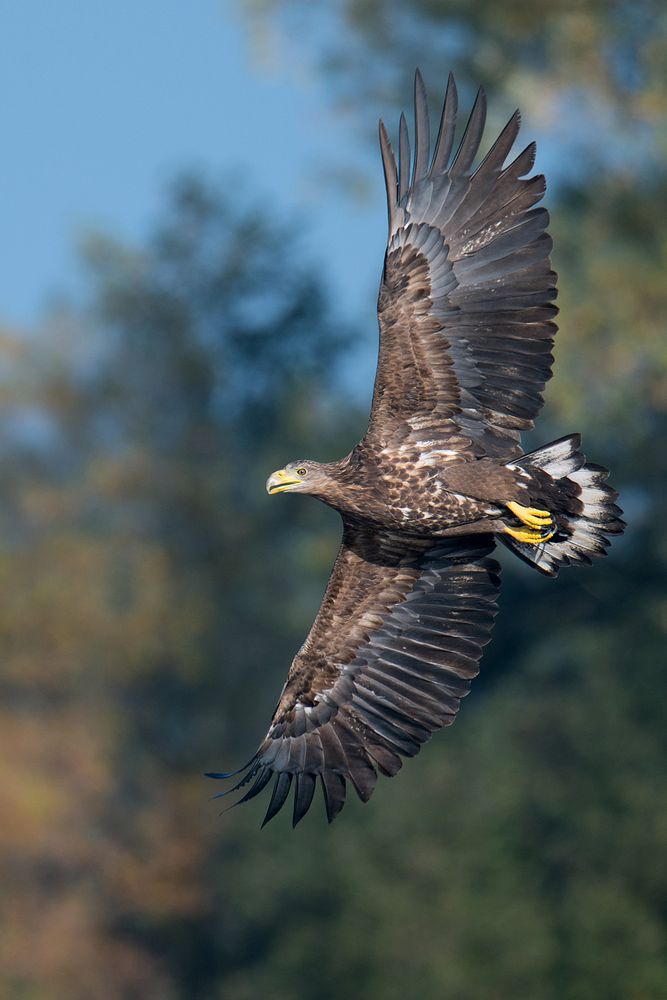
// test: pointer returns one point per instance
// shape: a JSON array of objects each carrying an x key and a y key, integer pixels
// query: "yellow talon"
[
  {"x": 531, "y": 516},
  {"x": 530, "y": 536}
]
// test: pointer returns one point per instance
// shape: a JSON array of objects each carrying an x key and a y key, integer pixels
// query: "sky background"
[{"x": 103, "y": 104}]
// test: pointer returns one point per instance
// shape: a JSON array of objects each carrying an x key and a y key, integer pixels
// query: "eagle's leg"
[
  {"x": 532, "y": 536},
  {"x": 531, "y": 516}
]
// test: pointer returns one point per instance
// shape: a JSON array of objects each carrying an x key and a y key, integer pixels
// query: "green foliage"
[
  {"x": 596, "y": 67},
  {"x": 148, "y": 614}
]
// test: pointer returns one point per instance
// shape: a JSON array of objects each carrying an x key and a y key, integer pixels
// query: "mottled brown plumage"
[{"x": 466, "y": 329}]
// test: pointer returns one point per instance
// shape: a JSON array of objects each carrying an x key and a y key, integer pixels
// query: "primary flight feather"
[{"x": 466, "y": 328}]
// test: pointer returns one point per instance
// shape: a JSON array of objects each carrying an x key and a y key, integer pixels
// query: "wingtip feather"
[
  {"x": 422, "y": 130},
  {"x": 280, "y": 793},
  {"x": 445, "y": 139},
  {"x": 303, "y": 796},
  {"x": 403, "y": 157},
  {"x": 334, "y": 789},
  {"x": 390, "y": 173},
  {"x": 472, "y": 135}
]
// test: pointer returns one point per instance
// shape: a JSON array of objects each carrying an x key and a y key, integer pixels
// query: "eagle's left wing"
[
  {"x": 465, "y": 303},
  {"x": 392, "y": 651}
]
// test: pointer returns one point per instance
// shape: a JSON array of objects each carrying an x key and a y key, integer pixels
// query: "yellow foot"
[
  {"x": 531, "y": 516},
  {"x": 531, "y": 536}
]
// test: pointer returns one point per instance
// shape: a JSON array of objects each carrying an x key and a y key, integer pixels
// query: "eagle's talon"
[
  {"x": 532, "y": 516},
  {"x": 531, "y": 536}
]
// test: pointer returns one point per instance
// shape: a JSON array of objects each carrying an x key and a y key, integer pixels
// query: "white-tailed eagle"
[{"x": 466, "y": 330}]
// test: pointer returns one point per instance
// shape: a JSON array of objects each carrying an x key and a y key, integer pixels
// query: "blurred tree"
[
  {"x": 587, "y": 71},
  {"x": 152, "y": 598},
  {"x": 141, "y": 609}
]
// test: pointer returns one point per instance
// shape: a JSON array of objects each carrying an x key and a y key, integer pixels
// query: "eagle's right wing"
[
  {"x": 397, "y": 639},
  {"x": 465, "y": 303}
]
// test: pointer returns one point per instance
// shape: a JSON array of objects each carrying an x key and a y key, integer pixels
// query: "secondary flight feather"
[{"x": 466, "y": 319}]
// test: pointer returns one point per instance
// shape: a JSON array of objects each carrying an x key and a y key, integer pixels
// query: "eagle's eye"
[{"x": 301, "y": 471}]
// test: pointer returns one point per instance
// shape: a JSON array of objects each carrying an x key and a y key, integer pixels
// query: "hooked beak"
[{"x": 280, "y": 481}]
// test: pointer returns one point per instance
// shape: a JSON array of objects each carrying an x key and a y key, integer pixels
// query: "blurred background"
[{"x": 193, "y": 218}]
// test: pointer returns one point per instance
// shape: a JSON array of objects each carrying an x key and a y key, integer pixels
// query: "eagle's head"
[{"x": 302, "y": 476}]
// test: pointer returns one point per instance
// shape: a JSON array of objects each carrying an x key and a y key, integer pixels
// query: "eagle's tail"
[{"x": 579, "y": 512}]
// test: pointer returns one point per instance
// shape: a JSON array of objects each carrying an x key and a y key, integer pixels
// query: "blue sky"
[{"x": 102, "y": 103}]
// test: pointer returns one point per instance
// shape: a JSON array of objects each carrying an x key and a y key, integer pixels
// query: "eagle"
[{"x": 466, "y": 316}]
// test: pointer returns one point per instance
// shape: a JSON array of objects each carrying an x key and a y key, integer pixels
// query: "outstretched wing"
[
  {"x": 465, "y": 301},
  {"x": 392, "y": 651}
]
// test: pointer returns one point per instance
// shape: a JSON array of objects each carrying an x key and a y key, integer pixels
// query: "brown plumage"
[{"x": 466, "y": 329}]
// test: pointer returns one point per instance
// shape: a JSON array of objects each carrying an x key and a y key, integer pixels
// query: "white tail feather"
[{"x": 584, "y": 507}]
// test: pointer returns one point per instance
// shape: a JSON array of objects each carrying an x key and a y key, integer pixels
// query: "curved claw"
[
  {"x": 531, "y": 536},
  {"x": 532, "y": 516}
]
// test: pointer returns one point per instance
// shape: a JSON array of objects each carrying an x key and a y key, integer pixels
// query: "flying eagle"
[{"x": 466, "y": 329}]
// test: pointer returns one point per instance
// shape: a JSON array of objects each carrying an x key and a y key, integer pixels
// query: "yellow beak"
[{"x": 280, "y": 481}]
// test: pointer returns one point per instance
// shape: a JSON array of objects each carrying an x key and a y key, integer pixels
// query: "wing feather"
[
  {"x": 262, "y": 778},
  {"x": 468, "y": 255},
  {"x": 500, "y": 150},
  {"x": 403, "y": 158},
  {"x": 334, "y": 789},
  {"x": 472, "y": 136},
  {"x": 303, "y": 796},
  {"x": 422, "y": 134},
  {"x": 393, "y": 649},
  {"x": 390, "y": 174},
  {"x": 280, "y": 792},
  {"x": 445, "y": 140}
]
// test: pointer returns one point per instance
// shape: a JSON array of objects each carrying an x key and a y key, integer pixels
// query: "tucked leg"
[
  {"x": 531, "y": 516},
  {"x": 531, "y": 536}
]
